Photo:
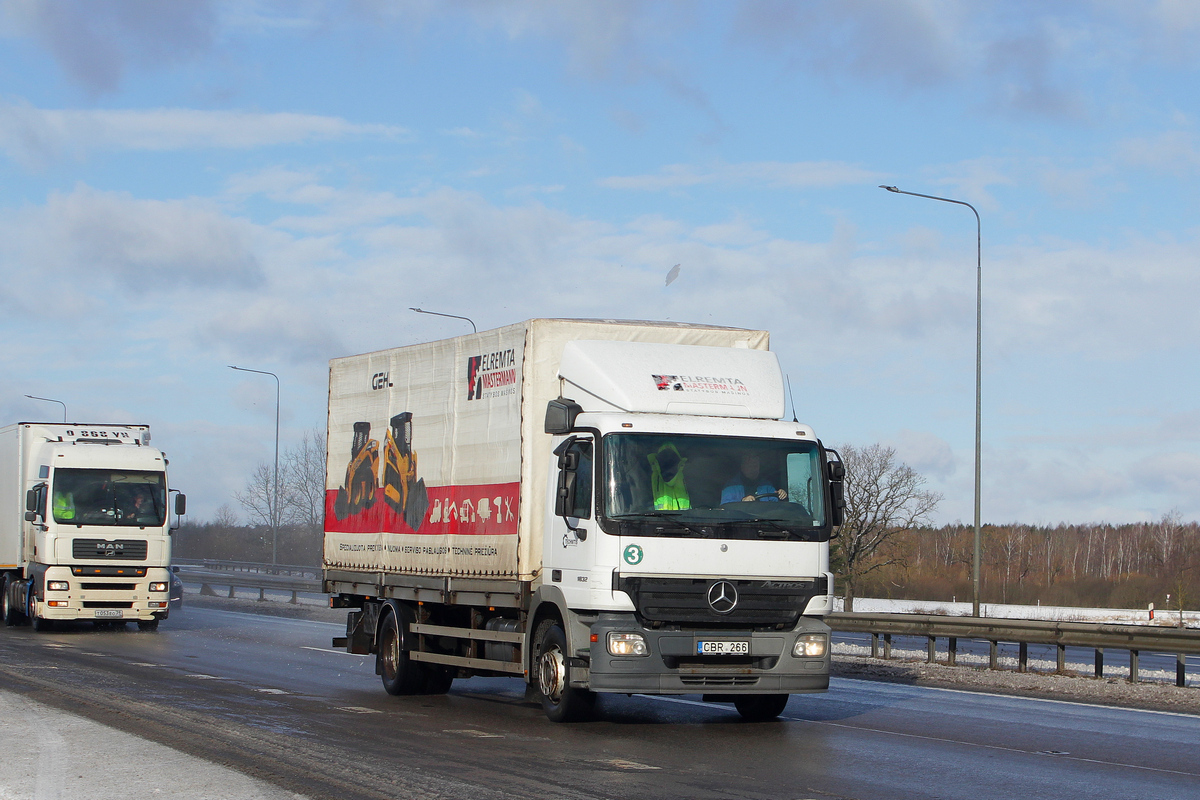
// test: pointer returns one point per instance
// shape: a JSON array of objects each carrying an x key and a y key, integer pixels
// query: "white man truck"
[
  {"x": 85, "y": 533},
  {"x": 592, "y": 506}
]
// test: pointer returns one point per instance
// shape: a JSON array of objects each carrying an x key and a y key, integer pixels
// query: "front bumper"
[
  {"x": 103, "y": 598},
  {"x": 673, "y": 666}
]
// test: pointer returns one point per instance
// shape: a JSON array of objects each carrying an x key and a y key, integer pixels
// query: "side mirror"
[
  {"x": 30, "y": 516},
  {"x": 31, "y": 501},
  {"x": 180, "y": 505},
  {"x": 560, "y": 416},
  {"x": 837, "y": 492},
  {"x": 564, "y": 498}
]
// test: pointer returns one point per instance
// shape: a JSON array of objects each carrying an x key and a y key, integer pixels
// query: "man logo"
[{"x": 722, "y": 597}]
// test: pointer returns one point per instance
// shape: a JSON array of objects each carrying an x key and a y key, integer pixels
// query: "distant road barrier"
[
  {"x": 1135, "y": 638},
  {"x": 250, "y": 575}
]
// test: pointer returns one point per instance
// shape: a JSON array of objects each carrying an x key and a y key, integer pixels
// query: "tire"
[
  {"x": 12, "y": 614},
  {"x": 401, "y": 675},
  {"x": 40, "y": 625},
  {"x": 149, "y": 625},
  {"x": 438, "y": 678},
  {"x": 761, "y": 707},
  {"x": 560, "y": 701}
]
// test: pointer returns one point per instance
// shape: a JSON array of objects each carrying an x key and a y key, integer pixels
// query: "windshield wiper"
[{"x": 664, "y": 515}]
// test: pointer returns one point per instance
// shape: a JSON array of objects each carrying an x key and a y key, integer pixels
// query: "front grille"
[
  {"x": 684, "y": 601},
  {"x": 718, "y": 680},
  {"x": 122, "y": 549},
  {"x": 105, "y": 604},
  {"x": 111, "y": 587}
]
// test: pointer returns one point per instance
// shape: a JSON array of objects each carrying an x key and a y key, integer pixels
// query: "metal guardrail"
[
  {"x": 1098, "y": 636},
  {"x": 250, "y": 575}
]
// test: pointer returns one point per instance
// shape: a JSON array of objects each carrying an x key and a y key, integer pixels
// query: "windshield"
[
  {"x": 713, "y": 486},
  {"x": 108, "y": 497}
]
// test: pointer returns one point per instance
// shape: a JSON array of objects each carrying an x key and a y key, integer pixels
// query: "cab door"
[{"x": 571, "y": 532}]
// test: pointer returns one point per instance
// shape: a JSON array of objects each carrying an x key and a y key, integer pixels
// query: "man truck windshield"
[
  {"x": 684, "y": 485},
  {"x": 108, "y": 497}
]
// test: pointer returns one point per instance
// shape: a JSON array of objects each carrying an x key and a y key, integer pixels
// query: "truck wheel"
[
  {"x": 147, "y": 625},
  {"x": 401, "y": 675},
  {"x": 40, "y": 625},
  {"x": 560, "y": 701},
  {"x": 761, "y": 707},
  {"x": 438, "y": 678},
  {"x": 12, "y": 614}
]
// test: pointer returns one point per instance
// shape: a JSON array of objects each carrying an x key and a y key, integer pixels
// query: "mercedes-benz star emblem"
[{"x": 722, "y": 597}]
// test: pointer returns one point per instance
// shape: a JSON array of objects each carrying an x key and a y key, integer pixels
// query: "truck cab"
[
  {"x": 95, "y": 529},
  {"x": 689, "y": 551}
]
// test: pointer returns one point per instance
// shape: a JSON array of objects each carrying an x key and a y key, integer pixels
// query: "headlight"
[
  {"x": 810, "y": 645},
  {"x": 627, "y": 644},
  {"x": 57, "y": 586},
  {"x": 158, "y": 586}
]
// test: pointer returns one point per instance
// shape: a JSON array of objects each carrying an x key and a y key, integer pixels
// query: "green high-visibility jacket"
[
  {"x": 64, "y": 506},
  {"x": 669, "y": 495}
]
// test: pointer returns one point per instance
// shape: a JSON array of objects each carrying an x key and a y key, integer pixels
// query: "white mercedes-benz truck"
[
  {"x": 85, "y": 533},
  {"x": 589, "y": 505}
]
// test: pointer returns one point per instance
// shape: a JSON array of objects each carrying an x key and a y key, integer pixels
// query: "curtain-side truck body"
[
  {"x": 85, "y": 531},
  {"x": 588, "y": 505}
]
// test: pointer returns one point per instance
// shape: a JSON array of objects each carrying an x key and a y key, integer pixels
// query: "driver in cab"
[{"x": 748, "y": 485}]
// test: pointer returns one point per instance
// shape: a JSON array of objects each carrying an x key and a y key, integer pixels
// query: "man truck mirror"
[
  {"x": 560, "y": 416},
  {"x": 180, "y": 505}
]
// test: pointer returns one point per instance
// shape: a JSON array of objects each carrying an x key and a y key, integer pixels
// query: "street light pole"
[
  {"x": 275, "y": 501},
  {"x": 440, "y": 314},
  {"x": 48, "y": 400},
  {"x": 978, "y": 372}
]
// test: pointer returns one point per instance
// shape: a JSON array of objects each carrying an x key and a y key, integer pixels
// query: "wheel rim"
[
  {"x": 552, "y": 676},
  {"x": 390, "y": 652}
]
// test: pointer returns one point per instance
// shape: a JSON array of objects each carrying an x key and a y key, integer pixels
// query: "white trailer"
[
  {"x": 85, "y": 533},
  {"x": 592, "y": 506}
]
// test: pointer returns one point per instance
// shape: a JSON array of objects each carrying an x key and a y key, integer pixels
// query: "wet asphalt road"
[{"x": 270, "y": 698}]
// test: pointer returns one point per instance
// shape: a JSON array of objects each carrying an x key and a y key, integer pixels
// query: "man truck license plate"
[
  {"x": 709, "y": 648},
  {"x": 108, "y": 612}
]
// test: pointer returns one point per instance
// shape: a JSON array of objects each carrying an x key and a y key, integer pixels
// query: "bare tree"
[
  {"x": 225, "y": 517},
  {"x": 259, "y": 499},
  {"x": 884, "y": 499},
  {"x": 301, "y": 487},
  {"x": 305, "y": 476}
]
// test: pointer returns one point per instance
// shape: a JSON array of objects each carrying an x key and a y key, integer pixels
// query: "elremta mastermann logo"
[
  {"x": 699, "y": 383},
  {"x": 492, "y": 375}
]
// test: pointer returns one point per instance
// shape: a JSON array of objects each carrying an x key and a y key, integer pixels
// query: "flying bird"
[{"x": 673, "y": 274}]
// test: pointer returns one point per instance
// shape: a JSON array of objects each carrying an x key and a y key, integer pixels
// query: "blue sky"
[{"x": 193, "y": 184}]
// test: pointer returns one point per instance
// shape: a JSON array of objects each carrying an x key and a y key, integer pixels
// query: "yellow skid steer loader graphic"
[
  {"x": 402, "y": 490},
  {"x": 358, "y": 492}
]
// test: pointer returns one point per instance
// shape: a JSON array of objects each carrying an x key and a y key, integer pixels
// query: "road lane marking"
[
  {"x": 335, "y": 652},
  {"x": 475, "y": 734},
  {"x": 358, "y": 709}
]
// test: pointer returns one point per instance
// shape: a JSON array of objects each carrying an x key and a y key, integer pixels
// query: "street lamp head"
[{"x": 889, "y": 188}]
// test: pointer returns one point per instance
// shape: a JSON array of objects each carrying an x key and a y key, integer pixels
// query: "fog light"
[
  {"x": 57, "y": 603},
  {"x": 627, "y": 644},
  {"x": 57, "y": 586},
  {"x": 158, "y": 586},
  {"x": 810, "y": 645},
  {"x": 156, "y": 605}
]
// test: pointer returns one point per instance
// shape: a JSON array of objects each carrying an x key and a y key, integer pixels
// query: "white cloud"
[
  {"x": 136, "y": 245},
  {"x": 35, "y": 137}
]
